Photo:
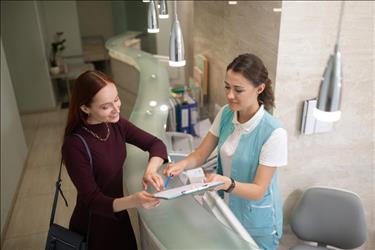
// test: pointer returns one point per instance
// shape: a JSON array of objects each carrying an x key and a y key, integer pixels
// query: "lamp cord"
[
  {"x": 175, "y": 9},
  {"x": 339, "y": 25}
]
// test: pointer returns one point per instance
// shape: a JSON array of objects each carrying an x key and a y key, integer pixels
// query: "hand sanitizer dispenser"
[{"x": 310, "y": 125}]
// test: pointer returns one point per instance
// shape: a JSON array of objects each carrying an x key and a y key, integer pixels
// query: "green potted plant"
[{"x": 57, "y": 48}]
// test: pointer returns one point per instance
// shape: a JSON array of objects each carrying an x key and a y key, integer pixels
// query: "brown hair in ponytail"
[{"x": 252, "y": 68}]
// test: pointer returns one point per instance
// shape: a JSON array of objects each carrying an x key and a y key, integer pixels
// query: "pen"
[{"x": 167, "y": 181}]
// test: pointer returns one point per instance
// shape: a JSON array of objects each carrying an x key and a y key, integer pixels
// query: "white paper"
[
  {"x": 184, "y": 118},
  {"x": 202, "y": 127},
  {"x": 195, "y": 175}
]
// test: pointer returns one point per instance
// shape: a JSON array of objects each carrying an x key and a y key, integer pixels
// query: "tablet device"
[{"x": 186, "y": 189}]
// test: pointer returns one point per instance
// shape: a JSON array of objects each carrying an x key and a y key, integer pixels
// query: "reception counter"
[{"x": 176, "y": 224}]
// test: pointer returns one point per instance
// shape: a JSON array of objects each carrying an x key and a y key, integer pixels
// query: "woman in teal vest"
[{"x": 251, "y": 146}]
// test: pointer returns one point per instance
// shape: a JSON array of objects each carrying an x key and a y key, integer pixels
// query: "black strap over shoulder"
[
  {"x": 88, "y": 151},
  {"x": 58, "y": 182}
]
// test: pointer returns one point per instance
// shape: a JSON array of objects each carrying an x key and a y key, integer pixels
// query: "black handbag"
[{"x": 61, "y": 238}]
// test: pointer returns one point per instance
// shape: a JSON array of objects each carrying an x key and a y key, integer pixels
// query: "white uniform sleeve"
[
  {"x": 215, "y": 127},
  {"x": 274, "y": 152}
]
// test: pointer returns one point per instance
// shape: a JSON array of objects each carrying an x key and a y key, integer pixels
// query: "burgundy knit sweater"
[{"x": 95, "y": 194}]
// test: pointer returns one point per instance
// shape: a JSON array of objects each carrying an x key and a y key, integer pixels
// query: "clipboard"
[{"x": 174, "y": 193}]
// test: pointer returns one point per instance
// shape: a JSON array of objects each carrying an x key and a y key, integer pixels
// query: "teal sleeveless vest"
[{"x": 259, "y": 217}]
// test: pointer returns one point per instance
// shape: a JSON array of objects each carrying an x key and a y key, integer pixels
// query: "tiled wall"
[
  {"x": 343, "y": 158},
  {"x": 223, "y": 31}
]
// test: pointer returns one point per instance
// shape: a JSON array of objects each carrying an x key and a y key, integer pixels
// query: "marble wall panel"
[
  {"x": 343, "y": 158},
  {"x": 295, "y": 47},
  {"x": 222, "y": 31}
]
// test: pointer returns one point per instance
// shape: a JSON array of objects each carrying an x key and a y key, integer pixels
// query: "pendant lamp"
[
  {"x": 163, "y": 11},
  {"x": 176, "y": 43},
  {"x": 152, "y": 18},
  {"x": 330, "y": 92}
]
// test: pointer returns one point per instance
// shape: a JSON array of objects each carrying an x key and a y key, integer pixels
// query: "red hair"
[{"x": 85, "y": 88}]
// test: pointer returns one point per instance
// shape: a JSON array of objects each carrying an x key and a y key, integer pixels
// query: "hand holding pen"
[
  {"x": 174, "y": 168},
  {"x": 167, "y": 181},
  {"x": 170, "y": 176}
]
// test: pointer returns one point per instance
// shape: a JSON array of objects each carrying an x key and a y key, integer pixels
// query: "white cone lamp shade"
[
  {"x": 176, "y": 46},
  {"x": 152, "y": 22},
  {"x": 163, "y": 11},
  {"x": 329, "y": 98}
]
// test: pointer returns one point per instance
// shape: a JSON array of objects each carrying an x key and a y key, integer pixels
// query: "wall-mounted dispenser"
[{"x": 310, "y": 125}]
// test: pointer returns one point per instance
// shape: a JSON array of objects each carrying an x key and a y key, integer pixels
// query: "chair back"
[{"x": 330, "y": 216}]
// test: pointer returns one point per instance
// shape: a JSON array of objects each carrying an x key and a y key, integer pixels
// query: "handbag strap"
[
  {"x": 56, "y": 196},
  {"x": 58, "y": 182}
]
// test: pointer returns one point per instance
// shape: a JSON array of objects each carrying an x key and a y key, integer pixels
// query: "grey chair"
[{"x": 329, "y": 217}]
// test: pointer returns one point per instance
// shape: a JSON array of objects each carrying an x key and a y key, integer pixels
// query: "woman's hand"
[
  {"x": 216, "y": 177},
  {"x": 153, "y": 178},
  {"x": 174, "y": 169},
  {"x": 144, "y": 199}
]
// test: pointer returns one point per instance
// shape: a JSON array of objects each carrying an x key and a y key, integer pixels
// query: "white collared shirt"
[{"x": 273, "y": 153}]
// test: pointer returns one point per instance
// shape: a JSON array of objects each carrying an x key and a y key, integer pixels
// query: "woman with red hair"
[{"x": 101, "y": 207}]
